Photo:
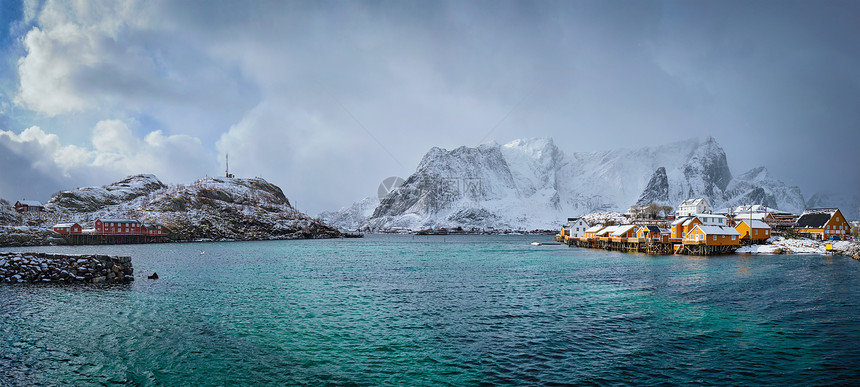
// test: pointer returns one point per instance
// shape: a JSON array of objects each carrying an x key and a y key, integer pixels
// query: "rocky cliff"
[
  {"x": 531, "y": 184},
  {"x": 208, "y": 209}
]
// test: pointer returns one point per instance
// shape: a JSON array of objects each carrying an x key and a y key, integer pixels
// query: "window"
[
  {"x": 715, "y": 237},
  {"x": 755, "y": 232},
  {"x": 734, "y": 237}
]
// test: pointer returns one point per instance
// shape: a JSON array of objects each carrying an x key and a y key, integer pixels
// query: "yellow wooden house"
[
  {"x": 823, "y": 223},
  {"x": 712, "y": 236},
  {"x": 752, "y": 230}
]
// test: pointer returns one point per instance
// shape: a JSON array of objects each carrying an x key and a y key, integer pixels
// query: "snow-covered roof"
[
  {"x": 607, "y": 230},
  {"x": 753, "y": 215},
  {"x": 64, "y": 224},
  {"x": 717, "y": 230},
  {"x": 688, "y": 221},
  {"x": 815, "y": 217},
  {"x": 711, "y": 217},
  {"x": 623, "y": 229},
  {"x": 31, "y": 203},
  {"x": 119, "y": 221},
  {"x": 754, "y": 209},
  {"x": 594, "y": 228},
  {"x": 695, "y": 202},
  {"x": 680, "y": 220},
  {"x": 755, "y": 223}
]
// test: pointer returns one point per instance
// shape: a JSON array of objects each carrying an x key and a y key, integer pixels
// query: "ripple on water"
[{"x": 399, "y": 310}]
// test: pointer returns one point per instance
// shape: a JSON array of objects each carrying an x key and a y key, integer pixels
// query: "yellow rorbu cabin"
[
  {"x": 823, "y": 223},
  {"x": 682, "y": 226},
  {"x": 712, "y": 236},
  {"x": 752, "y": 230}
]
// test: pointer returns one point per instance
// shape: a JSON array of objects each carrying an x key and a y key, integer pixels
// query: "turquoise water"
[{"x": 431, "y": 310}]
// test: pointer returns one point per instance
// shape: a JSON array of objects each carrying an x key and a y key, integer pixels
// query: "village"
[
  {"x": 695, "y": 229},
  {"x": 104, "y": 231}
]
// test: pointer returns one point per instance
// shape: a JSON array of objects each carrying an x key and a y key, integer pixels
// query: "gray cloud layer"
[{"x": 328, "y": 98}]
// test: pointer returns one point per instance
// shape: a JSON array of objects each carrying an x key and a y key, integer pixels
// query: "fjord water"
[{"x": 461, "y": 310}]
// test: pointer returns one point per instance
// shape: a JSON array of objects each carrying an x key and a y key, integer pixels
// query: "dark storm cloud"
[{"x": 360, "y": 90}]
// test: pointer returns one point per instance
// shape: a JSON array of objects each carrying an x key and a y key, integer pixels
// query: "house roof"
[
  {"x": 119, "y": 221},
  {"x": 607, "y": 230},
  {"x": 816, "y": 217},
  {"x": 695, "y": 202},
  {"x": 717, "y": 230},
  {"x": 653, "y": 228},
  {"x": 621, "y": 230},
  {"x": 680, "y": 220},
  {"x": 754, "y": 215},
  {"x": 64, "y": 224},
  {"x": 755, "y": 223},
  {"x": 595, "y": 228},
  {"x": 31, "y": 203},
  {"x": 754, "y": 208}
]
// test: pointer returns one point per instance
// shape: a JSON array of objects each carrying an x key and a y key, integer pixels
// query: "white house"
[
  {"x": 576, "y": 227},
  {"x": 694, "y": 206}
]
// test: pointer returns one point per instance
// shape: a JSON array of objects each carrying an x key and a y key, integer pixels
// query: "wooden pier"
[
  {"x": 649, "y": 246},
  {"x": 102, "y": 239}
]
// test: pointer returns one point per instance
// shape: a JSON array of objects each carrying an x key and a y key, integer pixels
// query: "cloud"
[
  {"x": 125, "y": 59},
  {"x": 114, "y": 153},
  {"x": 329, "y": 98}
]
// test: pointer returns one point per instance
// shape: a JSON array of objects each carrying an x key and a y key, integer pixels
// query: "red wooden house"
[
  {"x": 153, "y": 230},
  {"x": 119, "y": 227},
  {"x": 67, "y": 228},
  {"x": 29, "y": 206}
]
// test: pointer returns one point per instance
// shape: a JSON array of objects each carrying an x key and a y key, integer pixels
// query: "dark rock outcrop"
[{"x": 657, "y": 190}]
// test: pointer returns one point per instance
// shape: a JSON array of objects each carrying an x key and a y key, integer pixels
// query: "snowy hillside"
[
  {"x": 758, "y": 187},
  {"x": 8, "y": 216},
  {"x": 849, "y": 204},
  {"x": 352, "y": 217},
  {"x": 86, "y": 199},
  {"x": 531, "y": 184},
  {"x": 210, "y": 208}
]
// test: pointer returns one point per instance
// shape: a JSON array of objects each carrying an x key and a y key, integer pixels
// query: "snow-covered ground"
[{"x": 780, "y": 245}]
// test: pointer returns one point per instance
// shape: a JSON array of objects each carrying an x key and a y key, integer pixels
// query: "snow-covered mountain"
[
  {"x": 849, "y": 204},
  {"x": 531, "y": 184},
  {"x": 352, "y": 217},
  {"x": 757, "y": 187}
]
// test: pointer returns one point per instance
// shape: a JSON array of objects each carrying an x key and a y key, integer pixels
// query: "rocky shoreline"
[
  {"x": 64, "y": 268},
  {"x": 781, "y": 245}
]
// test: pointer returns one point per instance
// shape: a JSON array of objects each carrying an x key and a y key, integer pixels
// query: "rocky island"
[{"x": 209, "y": 209}]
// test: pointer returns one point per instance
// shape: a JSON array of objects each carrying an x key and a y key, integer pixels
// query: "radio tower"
[{"x": 227, "y": 171}]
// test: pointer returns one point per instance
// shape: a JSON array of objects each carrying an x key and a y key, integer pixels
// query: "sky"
[{"x": 327, "y": 99}]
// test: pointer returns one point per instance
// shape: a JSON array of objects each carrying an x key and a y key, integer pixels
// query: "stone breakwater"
[{"x": 57, "y": 268}]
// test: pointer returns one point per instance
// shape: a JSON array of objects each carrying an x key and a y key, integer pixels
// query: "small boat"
[{"x": 545, "y": 243}]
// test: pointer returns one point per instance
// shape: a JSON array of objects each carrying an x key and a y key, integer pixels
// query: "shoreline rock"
[{"x": 64, "y": 268}]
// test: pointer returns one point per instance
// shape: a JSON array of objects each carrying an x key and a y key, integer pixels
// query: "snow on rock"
[
  {"x": 8, "y": 215},
  {"x": 208, "y": 209},
  {"x": 848, "y": 203},
  {"x": 86, "y": 199},
  {"x": 780, "y": 245},
  {"x": 352, "y": 217},
  {"x": 531, "y": 184}
]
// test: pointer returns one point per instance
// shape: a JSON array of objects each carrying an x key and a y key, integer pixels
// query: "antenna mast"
[{"x": 227, "y": 171}]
